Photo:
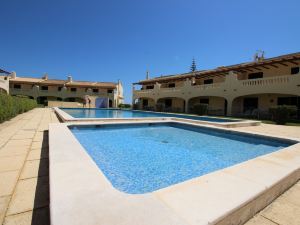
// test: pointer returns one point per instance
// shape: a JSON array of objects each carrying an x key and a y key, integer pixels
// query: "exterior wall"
[
  {"x": 53, "y": 93},
  {"x": 151, "y": 103},
  {"x": 272, "y": 71},
  {"x": 4, "y": 84},
  {"x": 216, "y": 105},
  {"x": 275, "y": 81},
  {"x": 265, "y": 101}
]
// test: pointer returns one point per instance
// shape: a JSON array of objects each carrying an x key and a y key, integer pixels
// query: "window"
[
  {"x": 73, "y": 89},
  {"x": 95, "y": 90},
  {"x": 295, "y": 70},
  {"x": 59, "y": 88},
  {"x": 255, "y": 75},
  {"x": 171, "y": 85},
  {"x": 150, "y": 87},
  {"x": 109, "y": 91},
  {"x": 287, "y": 101},
  {"x": 44, "y": 88},
  {"x": 208, "y": 81},
  {"x": 168, "y": 103},
  {"x": 17, "y": 86},
  {"x": 204, "y": 101}
]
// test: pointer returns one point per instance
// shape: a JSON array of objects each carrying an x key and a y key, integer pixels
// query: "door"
[{"x": 250, "y": 104}]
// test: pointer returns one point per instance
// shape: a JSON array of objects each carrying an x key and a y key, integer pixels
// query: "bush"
[
  {"x": 282, "y": 113},
  {"x": 200, "y": 109},
  {"x": 10, "y": 106},
  {"x": 124, "y": 106}
]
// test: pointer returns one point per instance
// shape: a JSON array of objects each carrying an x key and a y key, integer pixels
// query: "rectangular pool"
[
  {"x": 141, "y": 158},
  {"x": 117, "y": 113}
]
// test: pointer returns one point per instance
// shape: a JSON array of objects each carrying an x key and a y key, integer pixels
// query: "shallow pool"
[
  {"x": 144, "y": 158},
  {"x": 117, "y": 113}
]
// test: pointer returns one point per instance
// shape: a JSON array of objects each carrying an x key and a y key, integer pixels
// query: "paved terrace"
[{"x": 24, "y": 173}]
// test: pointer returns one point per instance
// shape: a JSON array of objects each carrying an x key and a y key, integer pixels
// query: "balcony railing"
[
  {"x": 67, "y": 93},
  {"x": 267, "y": 81},
  {"x": 287, "y": 84}
]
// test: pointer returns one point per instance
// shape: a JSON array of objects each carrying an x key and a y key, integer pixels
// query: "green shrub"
[
  {"x": 124, "y": 106},
  {"x": 10, "y": 106},
  {"x": 200, "y": 109},
  {"x": 282, "y": 113}
]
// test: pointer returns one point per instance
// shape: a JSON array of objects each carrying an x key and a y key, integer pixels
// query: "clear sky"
[{"x": 108, "y": 40}]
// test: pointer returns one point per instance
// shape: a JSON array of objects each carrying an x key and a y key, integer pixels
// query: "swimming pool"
[
  {"x": 117, "y": 113},
  {"x": 141, "y": 158}
]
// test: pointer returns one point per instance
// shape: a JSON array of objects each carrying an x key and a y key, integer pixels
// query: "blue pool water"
[
  {"x": 117, "y": 113},
  {"x": 144, "y": 158}
]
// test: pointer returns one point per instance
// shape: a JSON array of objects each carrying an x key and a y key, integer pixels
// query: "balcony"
[
  {"x": 34, "y": 92},
  {"x": 230, "y": 88}
]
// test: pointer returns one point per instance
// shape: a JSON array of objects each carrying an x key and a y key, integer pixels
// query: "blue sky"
[{"x": 119, "y": 39}]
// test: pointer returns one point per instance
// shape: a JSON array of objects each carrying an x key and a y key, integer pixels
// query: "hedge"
[
  {"x": 10, "y": 106},
  {"x": 282, "y": 113}
]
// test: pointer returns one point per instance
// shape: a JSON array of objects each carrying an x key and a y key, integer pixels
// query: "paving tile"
[
  {"x": 39, "y": 144},
  {"x": 3, "y": 206},
  {"x": 282, "y": 212},
  {"x": 28, "y": 135},
  {"x": 26, "y": 132},
  {"x": 11, "y": 163},
  {"x": 30, "y": 194},
  {"x": 293, "y": 195},
  {"x": 8, "y": 181},
  {"x": 42, "y": 153},
  {"x": 36, "y": 217},
  {"x": 260, "y": 220},
  {"x": 21, "y": 142},
  {"x": 35, "y": 168},
  {"x": 13, "y": 150}
]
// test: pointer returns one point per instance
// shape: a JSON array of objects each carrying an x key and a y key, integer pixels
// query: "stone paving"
[
  {"x": 285, "y": 210},
  {"x": 24, "y": 173}
]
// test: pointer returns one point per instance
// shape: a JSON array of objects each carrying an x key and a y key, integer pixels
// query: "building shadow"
[{"x": 41, "y": 212}]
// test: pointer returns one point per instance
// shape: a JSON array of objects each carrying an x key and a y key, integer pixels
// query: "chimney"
[
  {"x": 147, "y": 75},
  {"x": 13, "y": 75},
  {"x": 70, "y": 79},
  {"x": 45, "y": 77}
]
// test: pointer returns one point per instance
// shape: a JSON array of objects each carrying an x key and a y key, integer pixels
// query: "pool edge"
[{"x": 68, "y": 144}]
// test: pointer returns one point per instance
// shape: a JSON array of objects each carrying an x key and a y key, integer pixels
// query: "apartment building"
[
  {"x": 246, "y": 88},
  {"x": 102, "y": 94}
]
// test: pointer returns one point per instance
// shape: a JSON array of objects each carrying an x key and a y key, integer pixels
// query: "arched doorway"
[
  {"x": 147, "y": 104},
  {"x": 216, "y": 105},
  {"x": 257, "y": 106},
  {"x": 171, "y": 105}
]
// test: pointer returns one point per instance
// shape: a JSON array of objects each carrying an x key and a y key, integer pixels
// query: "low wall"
[{"x": 64, "y": 104}]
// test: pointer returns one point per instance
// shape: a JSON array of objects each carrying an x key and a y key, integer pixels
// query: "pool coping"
[
  {"x": 65, "y": 117},
  {"x": 81, "y": 194}
]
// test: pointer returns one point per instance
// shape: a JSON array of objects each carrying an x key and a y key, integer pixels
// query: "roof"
[
  {"x": 223, "y": 70},
  {"x": 50, "y": 82}
]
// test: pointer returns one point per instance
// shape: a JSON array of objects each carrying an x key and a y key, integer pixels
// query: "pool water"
[
  {"x": 117, "y": 113},
  {"x": 143, "y": 158}
]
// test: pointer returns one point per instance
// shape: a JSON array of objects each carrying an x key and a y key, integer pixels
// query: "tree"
[{"x": 193, "y": 66}]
